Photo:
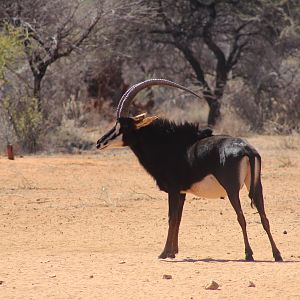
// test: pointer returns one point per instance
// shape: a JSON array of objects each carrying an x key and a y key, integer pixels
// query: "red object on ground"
[{"x": 10, "y": 152}]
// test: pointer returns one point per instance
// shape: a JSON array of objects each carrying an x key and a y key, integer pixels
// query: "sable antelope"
[{"x": 186, "y": 159}]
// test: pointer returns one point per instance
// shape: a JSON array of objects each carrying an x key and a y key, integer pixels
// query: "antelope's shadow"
[{"x": 220, "y": 260}]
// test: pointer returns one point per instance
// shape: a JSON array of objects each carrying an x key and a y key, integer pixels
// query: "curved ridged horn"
[{"x": 127, "y": 98}]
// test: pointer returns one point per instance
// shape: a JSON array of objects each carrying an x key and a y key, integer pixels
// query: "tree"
[
  {"x": 10, "y": 50},
  {"x": 48, "y": 31},
  {"x": 211, "y": 36},
  {"x": 51, "y": 30},
  {"x": 205, "y": 31},
  {"x": 270, "y": 72}
]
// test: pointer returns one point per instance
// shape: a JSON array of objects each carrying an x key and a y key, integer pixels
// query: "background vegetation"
[{"x": 64, "y": 65}]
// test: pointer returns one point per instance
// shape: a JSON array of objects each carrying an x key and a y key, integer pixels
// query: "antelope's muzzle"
[{"x": 113, "y": 139}]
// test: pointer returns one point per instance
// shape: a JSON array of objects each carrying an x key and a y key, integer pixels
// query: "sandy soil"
[{"x": 91, "y": 227}]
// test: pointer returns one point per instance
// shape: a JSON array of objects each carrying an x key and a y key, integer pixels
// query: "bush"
[{"x": 26, "y": 121}]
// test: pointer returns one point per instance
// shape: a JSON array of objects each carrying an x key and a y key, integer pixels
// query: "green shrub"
[
  {"x": 26, "y": 121},
  {"x": 11, "y": 47}
]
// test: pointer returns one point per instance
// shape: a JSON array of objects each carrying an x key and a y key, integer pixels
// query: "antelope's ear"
[
  {"x": 145, "y": 121},
  {"x": 139, "y": 117}
]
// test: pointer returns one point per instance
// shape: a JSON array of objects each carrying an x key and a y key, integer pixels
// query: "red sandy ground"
[{"x": 91, "y": 227}]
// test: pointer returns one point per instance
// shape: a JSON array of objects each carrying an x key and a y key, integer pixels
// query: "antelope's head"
[{"x": 117, "y": 136}]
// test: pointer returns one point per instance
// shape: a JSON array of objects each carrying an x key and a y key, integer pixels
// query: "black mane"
[
  {"x": 161, "y": 148},
  {"x": 165, "y": 131}
]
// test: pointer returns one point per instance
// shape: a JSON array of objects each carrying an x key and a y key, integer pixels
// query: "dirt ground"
[{"x": 91, "y": 226}]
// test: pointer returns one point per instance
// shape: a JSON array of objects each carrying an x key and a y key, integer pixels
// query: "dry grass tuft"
[
  {"x": 232, "y": 124},
  {"x": 285, "y": 162},
  {"x": 291, "y": 142}
]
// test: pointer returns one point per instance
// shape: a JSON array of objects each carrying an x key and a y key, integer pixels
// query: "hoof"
[
  {"x": 162, "y": 256},
  {"x": 249, "y": 257},
  {"x": 278, "y": 258},
  {"x": 166, "y": 255}
]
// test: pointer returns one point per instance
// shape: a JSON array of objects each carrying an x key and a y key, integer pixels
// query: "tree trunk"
[
  {"x": 212, "y": 99},
  {"x": 214, "y": 112},
  {"x": 37, "y": 91}
]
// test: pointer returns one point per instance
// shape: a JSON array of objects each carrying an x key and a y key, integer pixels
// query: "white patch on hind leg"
[
  {"x": 256, "y": 174},
  {"x": 244, "y": 171}
]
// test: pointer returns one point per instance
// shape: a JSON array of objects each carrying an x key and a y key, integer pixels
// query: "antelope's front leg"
[{"x": 171, "y": 246}]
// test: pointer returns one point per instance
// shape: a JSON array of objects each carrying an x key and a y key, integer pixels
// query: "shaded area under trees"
[{"x": 241, "y": 55}]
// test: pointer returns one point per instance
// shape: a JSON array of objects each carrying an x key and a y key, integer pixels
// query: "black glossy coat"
[{"x": 179, "y": 155}]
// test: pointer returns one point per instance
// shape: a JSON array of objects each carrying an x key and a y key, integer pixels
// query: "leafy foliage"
[
  {"x": 26, "y": 121},
  {"x": 11, "y": 46}
]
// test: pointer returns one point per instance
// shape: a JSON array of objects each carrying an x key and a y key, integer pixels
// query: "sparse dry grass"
[{"x": 285, "y": 162}]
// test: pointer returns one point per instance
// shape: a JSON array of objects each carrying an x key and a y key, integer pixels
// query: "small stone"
[
  {"x": 251, "y": 284},
  {"x": 52, "y": 276},
  {"x": 45, "y": 261},
  {"x": 285, "y": 232},
  {"x": 91, "y": 276},
  {"x": 122, "y": 262},
  {"x": 166, "y": 276},
  {"x": 212, "y": 285},
  {"x": 1, "y": 282}
]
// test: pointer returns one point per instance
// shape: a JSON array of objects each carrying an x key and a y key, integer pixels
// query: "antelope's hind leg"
[
  {"x": 236, "y": 204},
  {"x": 258, "y": 200},
  {"x": 232, "y": 177}
]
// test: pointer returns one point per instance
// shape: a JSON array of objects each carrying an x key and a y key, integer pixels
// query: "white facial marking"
[
  {"x": 117, "y": 142},
  {"x": 114, "y": 139}
]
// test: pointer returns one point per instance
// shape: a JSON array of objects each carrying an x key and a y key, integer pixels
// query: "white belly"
[{"x": 208, "y": 187}]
